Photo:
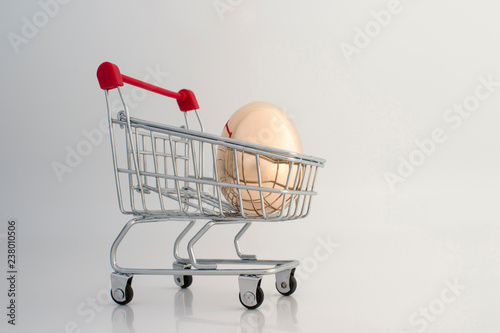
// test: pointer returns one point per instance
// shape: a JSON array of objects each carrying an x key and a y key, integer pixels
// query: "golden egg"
[{"x": 263, "y": 124}]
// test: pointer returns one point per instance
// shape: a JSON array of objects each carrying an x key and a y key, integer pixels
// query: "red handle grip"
[{"x": 109, "y": 77}]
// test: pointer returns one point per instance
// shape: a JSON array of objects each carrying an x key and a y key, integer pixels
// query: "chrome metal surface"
[
  {"x": 179, "y": 278},
  {"x": 237, "y": 243},
  {"x": 191, "y": 244},
  {"x": 179, "y": 239},
  {"x": 283, "y": 281},
  {"x": 248, "y": 289},
  {"x": 119, "y": 286},
  {"x": 201, "y": 266}
]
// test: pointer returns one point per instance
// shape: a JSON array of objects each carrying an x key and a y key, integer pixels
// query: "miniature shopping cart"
[{"x": 168, "y": 173}]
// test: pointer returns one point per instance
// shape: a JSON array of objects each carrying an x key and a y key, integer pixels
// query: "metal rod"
[
  {"x": 179, "y": 238},
  {"x": 192, "y": 242},
  {"x": 237, "y": 243}
]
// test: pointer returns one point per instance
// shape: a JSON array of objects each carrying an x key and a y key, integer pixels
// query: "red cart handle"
[{"x": 109, "y": 77}]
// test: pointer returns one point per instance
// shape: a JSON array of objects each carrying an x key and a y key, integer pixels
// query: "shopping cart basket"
[{"x": 168, "y": 173}]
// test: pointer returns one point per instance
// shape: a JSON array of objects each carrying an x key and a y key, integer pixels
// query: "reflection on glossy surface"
[
  {"x": 252, "y": 321},
  {"x": 287, "y": 309},
  {"x": 183, "y": 303},
  {"x": 122, "y": 319},
  {"x": 275, "y": 314}
]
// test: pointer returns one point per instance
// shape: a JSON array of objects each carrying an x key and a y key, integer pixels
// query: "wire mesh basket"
[{"x": 171, "y": 172}]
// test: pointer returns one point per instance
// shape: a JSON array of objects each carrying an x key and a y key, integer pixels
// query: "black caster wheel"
[
  {"x": 121, "y": 296},
  {"x": 183, "y": 281},
  {"x": 292, "y": 284},
  {"x": 250, "y": 298}
]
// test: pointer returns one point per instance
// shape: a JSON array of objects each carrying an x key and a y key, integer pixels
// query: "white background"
[{"x": 397, "y": 251}]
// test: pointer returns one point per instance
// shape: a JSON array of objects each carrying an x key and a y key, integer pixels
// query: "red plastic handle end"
[
  {"x": 109, "y": 76},
  {"x": 188, "y": 101}
]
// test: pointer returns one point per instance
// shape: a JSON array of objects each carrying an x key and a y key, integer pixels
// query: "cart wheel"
[
  {"x": 183, "y": 281},
  {"x": 121, "y": 296},
  {"x": 292, "y": 284},
  {"x": 249, "y": 297}
]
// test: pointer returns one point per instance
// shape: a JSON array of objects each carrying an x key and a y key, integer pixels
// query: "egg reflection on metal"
[{"x": 264, "y": 124}]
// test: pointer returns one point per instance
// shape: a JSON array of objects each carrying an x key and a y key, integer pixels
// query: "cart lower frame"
[{"x": 250, "y": 293}]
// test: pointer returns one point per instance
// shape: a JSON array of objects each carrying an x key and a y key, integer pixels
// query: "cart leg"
[
  {"x": 117, "y": 242},
  {"x": 237, "y": 244},
  {"x": 251, "y": 294},
  {"x": 193, "y": 241},
  {"x": 121, "y": 288},
  {"x": 179, "y": 239},
  {"x": 286, "y": 284}
]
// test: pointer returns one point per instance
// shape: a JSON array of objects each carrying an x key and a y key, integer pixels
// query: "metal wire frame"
[
  {"x": 203, "y": 266},
  {"x": 171, "y": 172}
]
